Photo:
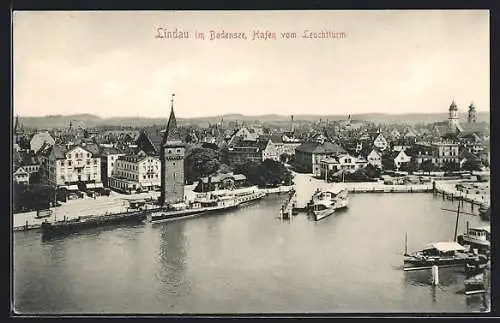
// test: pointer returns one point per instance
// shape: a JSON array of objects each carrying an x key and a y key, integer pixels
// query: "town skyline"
[
  {"x": 114, "y": 64},
  {"x": 462, "y": 114}
]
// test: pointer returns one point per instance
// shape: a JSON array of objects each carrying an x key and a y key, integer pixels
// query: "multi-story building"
[
  {"x": 285, "y": 144},
  {"x": 135, "y": 173},
  {"x": 259, "y": 150},
  {"x": 439, "y": 153},
  {"x": 72, "y": 167},
  {"x": 109, "y": 156},
  {"x": 446, "y": 152},
  {"x": 343, "y": 162},
  {"x": 422, "y": 152},
  {"x": 309, "y": 154}
]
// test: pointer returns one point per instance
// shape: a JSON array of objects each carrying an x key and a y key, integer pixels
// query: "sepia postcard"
[{"x": 251, "y": 162}]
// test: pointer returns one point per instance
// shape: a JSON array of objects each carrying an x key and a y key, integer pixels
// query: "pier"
[
  {"x": 448, "y": 192},
  {"x": 287, "y": 210}
]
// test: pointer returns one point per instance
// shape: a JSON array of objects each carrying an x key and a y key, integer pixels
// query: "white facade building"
[
  {"x": 70, "y": 166},
  {"x": 136, "y": 173}
]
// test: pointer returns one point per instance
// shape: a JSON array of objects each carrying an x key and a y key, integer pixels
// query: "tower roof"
[
  {"x": 172, "y": 135},
  {"x": 453, "y": 106},
  {"x": 471, "y": 106}
]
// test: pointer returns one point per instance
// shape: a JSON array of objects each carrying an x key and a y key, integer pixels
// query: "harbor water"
[{"x": 249, "y": 261}]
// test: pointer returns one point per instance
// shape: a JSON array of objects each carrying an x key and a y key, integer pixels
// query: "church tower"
[
  {"x": 172, "y": 163},
  {"x": 453, "y": 124},
  {"x": 472, "y": 113},
  {"x": 16, "y": 130}
]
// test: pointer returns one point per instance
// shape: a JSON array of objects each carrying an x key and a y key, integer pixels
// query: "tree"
[
  {"x": 267, "y": 173},
  {"x": 410, "y": 166},
  {"x": 285, "y": 157},
  {"x": 472, "y": 165},
  {"x": 35, "y": 178},
  {"x": 427, "y": 166},
  {"x": 451, "y": 166},
  {"x": 372, "y": 171},
  {"x": 388, "y": 163},
  {"x": 201, "y": 162},
  {"x": 223, "y": 169}
]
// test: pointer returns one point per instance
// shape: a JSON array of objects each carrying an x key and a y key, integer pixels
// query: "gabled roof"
[
  {"x": 155, "y": 138},
  {"x": 61, "y": 150},
  {"x": 110, "y": 151},
  {"x": 318, "y": 148}
]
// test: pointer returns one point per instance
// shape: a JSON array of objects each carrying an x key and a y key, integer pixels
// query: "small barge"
[{"x": 65, "y": 227}]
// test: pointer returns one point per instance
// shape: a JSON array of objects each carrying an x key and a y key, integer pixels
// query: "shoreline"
[{"x": 304, "y": 186}]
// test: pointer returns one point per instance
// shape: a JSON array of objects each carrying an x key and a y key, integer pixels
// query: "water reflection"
[
  {"x": 171, "y": 275},
  {"x": 447, "y": 277}
]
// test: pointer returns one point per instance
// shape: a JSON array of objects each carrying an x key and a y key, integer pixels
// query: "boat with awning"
[{"x": 441, "y": 254}]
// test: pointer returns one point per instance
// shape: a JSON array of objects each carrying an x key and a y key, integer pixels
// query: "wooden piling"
[{"x": 435, "y": 275}]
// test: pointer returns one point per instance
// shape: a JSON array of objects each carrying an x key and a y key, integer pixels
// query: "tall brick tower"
[{"x": 172, "y": 163}]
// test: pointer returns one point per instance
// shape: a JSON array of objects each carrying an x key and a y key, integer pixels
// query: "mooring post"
[{"x": 435, "y": 275}]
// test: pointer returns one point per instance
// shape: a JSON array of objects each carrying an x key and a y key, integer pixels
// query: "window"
[
  {"x": 88, "y": 155},
  {"x": 95, "y": 161},
  {"x": 170, "y": 151},
  {"x": 69, "y": 162},
  {"x": 178, "y": 150},
  {"x": 144, "y": 176}
]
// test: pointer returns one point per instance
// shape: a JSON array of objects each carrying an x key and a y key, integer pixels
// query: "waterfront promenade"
[
  {"x": 305, "y": 185},
  {"x": 101, "y": 205}
]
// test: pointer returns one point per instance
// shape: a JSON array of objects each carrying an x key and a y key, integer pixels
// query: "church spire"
[
  {"x": 171, "y": 134},
  {"x": 16, "y": 125}
]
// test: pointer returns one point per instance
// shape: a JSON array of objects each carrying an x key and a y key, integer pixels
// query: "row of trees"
[
  {"x": 201, "y": 162},
  {"x": 428, "y": 166},
  {"x": 32, "y": 197}
]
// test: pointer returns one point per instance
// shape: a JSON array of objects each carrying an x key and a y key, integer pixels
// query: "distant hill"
[{"x": 89, "y": 120}]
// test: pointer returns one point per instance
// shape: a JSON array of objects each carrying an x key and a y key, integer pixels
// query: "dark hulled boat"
[{"x": 65, "y": 227}]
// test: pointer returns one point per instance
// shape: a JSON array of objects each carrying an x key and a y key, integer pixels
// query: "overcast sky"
[{"x": 110, "y": 63}]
